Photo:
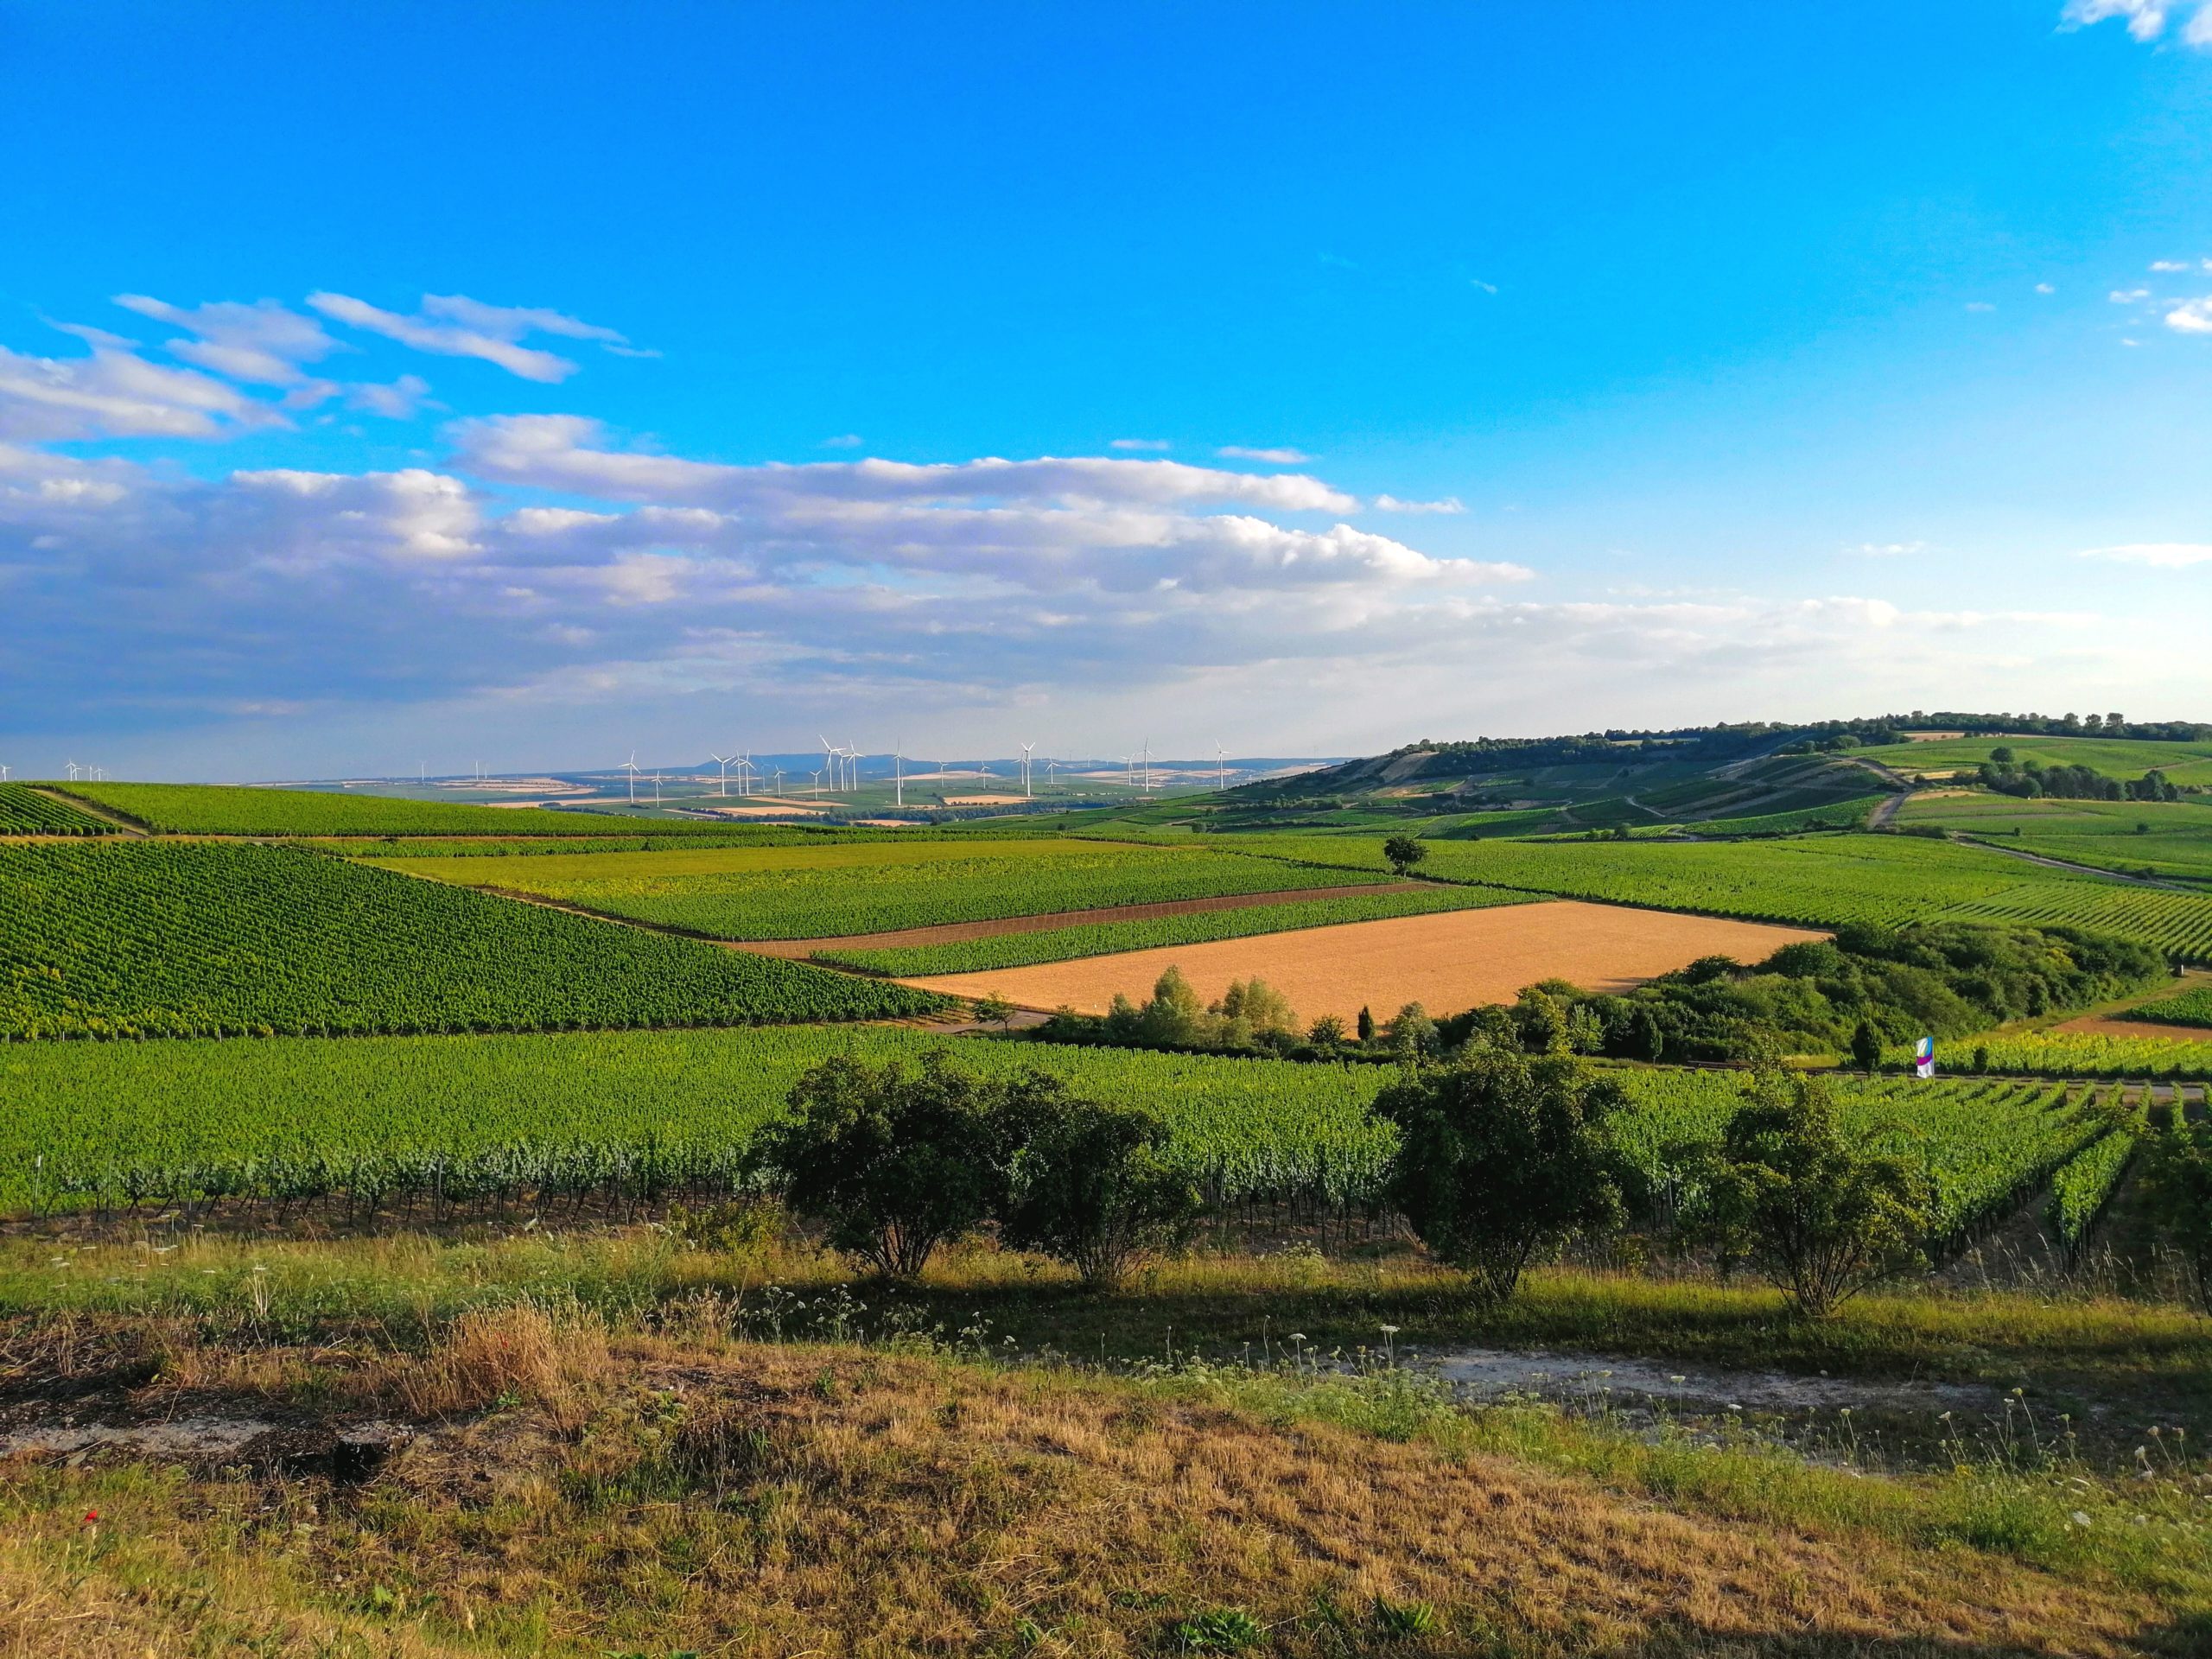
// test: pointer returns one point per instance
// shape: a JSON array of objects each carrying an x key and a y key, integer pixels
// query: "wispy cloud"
[
  {"x": 842, "y": 441},
  {"x": 2172, "y": 264},
  {"x": 1393, "y": 504},
  {"x": 453, "y": 325},
  {"x": 1138, "y": 444},
  {"x": 263, "y": 344},
  {"x": 1272, "y": 457},
  {"x": 1888, "y": 549},
  {"x": 114, "y": 393},
  {"x": 2146, "y": 20},
  {"x": 2128, "y": 295},
  {"x": 2167, "y": 554}
]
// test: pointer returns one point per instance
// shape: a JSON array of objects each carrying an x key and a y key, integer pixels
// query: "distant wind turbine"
[
  {"x": 1025, "y": 748},
  {"x": 721, "y": 791},
  {"x": 631, "y": 766}
]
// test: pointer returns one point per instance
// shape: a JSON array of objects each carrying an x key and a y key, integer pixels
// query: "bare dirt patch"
[
  {"x": 1450, "y": 961},
  {"x": 959, "y": 932},
  {"x": 2103, "y": 1024}
]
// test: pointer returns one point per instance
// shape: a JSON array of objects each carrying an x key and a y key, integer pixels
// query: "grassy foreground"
[{"x": 616, "y": 1445}]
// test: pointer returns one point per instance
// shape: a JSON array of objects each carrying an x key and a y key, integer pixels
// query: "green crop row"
[
  {"x": 25, "y": 811},
  {"x": 219, "y": 809},
  {"x": 1107, "y": 938},
  {"x": 2191, "y": 1007},
  {"x": 1825, "y": 880},
  {"x": 2084, "y": 1184},
  {"x": 565, "y": 1114},
  {"x": 182, "y": 938},
  {"x": 807, "y": 892},
  {"x": 2073, "y": 1054}
]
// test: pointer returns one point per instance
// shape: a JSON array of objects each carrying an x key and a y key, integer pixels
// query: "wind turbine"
[
  {"x": 1052, "y": 771},
  {"x": 899, "y": 772},
  {"x": 745, "y": 771},
  {"x": 721, "y": 789},
  {"x": 73, "y": 771},
  {"x": 4, "y": 774},
  {"x": 1147, "y": 766},
  {"x": 831, "y": 758},
  {"x": 1220, "y": 766},
  {"x": 1025, "y": 769},
  {"x": 631, "y": 766}
]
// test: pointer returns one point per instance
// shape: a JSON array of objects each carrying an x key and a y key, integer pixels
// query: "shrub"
[
  {"x": 1088, "y": 1185},
  {"x": 894, "y": 1163},
  {"x": 1501, "y": 1155},
  {"x": 1403, "y": 852},
  {"x": 1821, "y": 1220}
]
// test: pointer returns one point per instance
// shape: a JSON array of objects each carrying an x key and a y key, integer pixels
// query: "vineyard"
[
  {"x": 1986, "y": 1145},
  {"x": 2086, "y": 1183},
  {"x": 440, "y": 1120},
  {"x": 213, "y": 809},
  {"x": 130, "y": 940},
  {"x": 804, "y": 893},
  {"x": 1107, "y": 938},
  {"x": 2192, "y": 1008},
  {"x": 25, "y": 811},
  {"x": 1827, "y": 880},
  {"x": 2072, "y": 1054}
]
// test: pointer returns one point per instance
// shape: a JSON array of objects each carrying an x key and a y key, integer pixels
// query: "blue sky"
[{"x": 580, "y": 378}]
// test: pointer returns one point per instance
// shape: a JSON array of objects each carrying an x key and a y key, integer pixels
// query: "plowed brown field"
[{"x": 1447, "y": 962}]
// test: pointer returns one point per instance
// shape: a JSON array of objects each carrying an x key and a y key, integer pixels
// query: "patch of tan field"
[
  {"x": 2105, "y": 1025},
  {"x": 1446, "y": 961},
  {"x": 761, "y": 809}
]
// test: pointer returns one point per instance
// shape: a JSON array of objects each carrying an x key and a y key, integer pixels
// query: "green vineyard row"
[
  {"x": 184, "y": 939},
  {"x": 1106, "y": 938},
  {"x": 25, "y": 811}
]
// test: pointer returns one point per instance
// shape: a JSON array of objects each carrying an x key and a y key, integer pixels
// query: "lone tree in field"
[
  {"x": 1403, "y": 852},
  {"x": 1820, "y": 1219},
  {"x": 2178, "y": 1192},
  {"x": 894, "y": 1163},
  {"x": 992, "y": 1009},
  {"x": 1502, "y": 1156},
  {"x": 1089, "y": 1184},
  {"x": 1865, "y": 1047}
]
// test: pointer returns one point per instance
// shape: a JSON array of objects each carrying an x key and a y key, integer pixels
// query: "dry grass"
[
  {"x": 777, "y": 1501},
  {"x": 1454, "y": 959}
]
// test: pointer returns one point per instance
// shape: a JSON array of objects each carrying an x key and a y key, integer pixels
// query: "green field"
[
  {"x": 584, "y": 1111},
  {"x": 2115, "y": 757},
  {"x": 2191, "y": 1007},
  {"x": 183, "y": 939},
  {"x": 807, "y": 892},
  {"x": 27, "y": 811},
  {"x": 2160, "y": 838},
  {"x": 216, "y": 809},
  {"x": 1105, "y": 938},
  {"x": 1822, "y": 880},
  {"x": 1847, "y": 814},
  {"x": 2079, "y": 1054}
]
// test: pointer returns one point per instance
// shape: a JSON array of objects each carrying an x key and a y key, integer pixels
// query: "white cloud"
[
  {"x": 1392, "y": 503},
  {"x": 1980, "y": 305},
  {"x": 1487, "y": 288},
  {"x": 2128, "y": 295},
  {"x": 1138, "y": 444},
  {"x": 115, "y": 393},
  {"x": 2171, "y": 555},
  {"x": 315, "y": 518},
  {"x": 1888, "y": 549},
  {"x": 2045, "y": 287},
  {"x": 2192, "y": 317},
  {"x": 842, "y": 441},
  {"x": 263, "y": 344},
  {"x": 401, "y": 400},
  {"x": 2170, "y": 265},
  {"x": 2145, "y": 19},
  {"x": 565, "y": 452},
  {"x": 1272, "y": 457},
  {"x": 467, "y": 327}
]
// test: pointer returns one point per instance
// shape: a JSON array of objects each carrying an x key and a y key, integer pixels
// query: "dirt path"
[
  {"x": 92, "y": 809},
  {"x": 1881, "y": 817},
  {"x": 2049, "y": 863},
  {"x": 957, "y": 932}
]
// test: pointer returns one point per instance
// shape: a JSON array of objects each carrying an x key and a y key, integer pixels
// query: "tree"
[
  {"x": 1403, "y": 852},
  {"x": 1089, "y": 1186},
  {"x": 1327, "y": 1033},
  {"x": 1542, "y": 1022},
  {"x": 992, "y": 1009},
  {"x": 894, "y": 1163},
  {"x": 1366, "y": 1026},
  {"x": 2177, "y": 1189},
  {"x": 1413, "y": 1034},
  {"x": 1500, "y": 1156},
  {"x": 1865, "y": 1047},
  {"x": 1786, "y": 1191}
]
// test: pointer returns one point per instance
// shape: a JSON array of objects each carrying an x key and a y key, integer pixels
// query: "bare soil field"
[
  {"x": 2107, "y": 1025},
  {"x": 1446, "y": 961},
  {"x": 955, "y": 932}
]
